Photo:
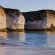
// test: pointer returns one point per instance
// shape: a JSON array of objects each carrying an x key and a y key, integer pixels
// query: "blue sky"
[{"x": 28, "y": 5}]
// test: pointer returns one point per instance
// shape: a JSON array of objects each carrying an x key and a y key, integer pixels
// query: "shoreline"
[{"x": 22, "y": 30}]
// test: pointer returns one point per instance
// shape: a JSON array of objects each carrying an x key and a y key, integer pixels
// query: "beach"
[{"x": 25, "y": 50}]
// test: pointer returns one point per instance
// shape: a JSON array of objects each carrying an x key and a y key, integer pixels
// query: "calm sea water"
[
  {"x": 26, "y": 43},
  {"x": 37, "y": 39}
]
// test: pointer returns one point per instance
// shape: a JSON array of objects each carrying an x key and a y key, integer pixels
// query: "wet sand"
[{"x": 25, "y": 50}]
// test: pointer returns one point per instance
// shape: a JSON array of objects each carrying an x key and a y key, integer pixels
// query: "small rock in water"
[{"x": 3, "y": 43}]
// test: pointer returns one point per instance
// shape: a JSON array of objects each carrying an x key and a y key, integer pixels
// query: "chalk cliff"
[
  {"x": 42, "y": 19},
  {"x": 11, "y": 19},
  {"x": 2, "y": 18}
]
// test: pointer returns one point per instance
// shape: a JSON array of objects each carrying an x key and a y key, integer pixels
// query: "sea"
[{"x": 27, "y": 43}]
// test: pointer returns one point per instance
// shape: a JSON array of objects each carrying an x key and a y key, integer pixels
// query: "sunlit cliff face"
[
  {"x": 14, "y": 19},
  {"x": 11, "y": 19},
  {"x": 18, "y": 21},
  {"x": 2, "y": 18},
  {"x": 51, "y": 20},
  {"x": 21, "y": 22}
]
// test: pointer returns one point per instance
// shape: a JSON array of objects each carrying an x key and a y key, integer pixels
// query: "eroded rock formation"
[
  {"x": 11, "y": 19},
  {"x": 42, "y": 19}
]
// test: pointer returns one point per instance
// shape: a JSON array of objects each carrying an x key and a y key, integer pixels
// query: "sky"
[{"x": 28, "y": 5}]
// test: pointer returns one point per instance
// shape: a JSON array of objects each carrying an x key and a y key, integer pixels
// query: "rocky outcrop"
[
  {"x": 11, "y": 19},
  {"x": 2, "y": 18},
  {"x": 51, "y": 18},
  {"x": 42, "y": 19}
]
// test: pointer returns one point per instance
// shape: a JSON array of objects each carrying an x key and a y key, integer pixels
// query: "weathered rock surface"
[
  {"x": 2, "y": 18},
  {"x": 11, "y": 19},
  {"x": 15, "y": 20},
  {"x": 42, "y": 19}
]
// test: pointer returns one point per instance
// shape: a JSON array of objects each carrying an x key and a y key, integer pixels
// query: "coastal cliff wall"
[
  {"x": 15, "y": 20},
  {"x": 35, "y": 20},
  {"x": 2, "y": 18},
  {"x": 11, "y": 19},
  {"x": 51, "y": 18},
  {"x": 42, "y": 19}
]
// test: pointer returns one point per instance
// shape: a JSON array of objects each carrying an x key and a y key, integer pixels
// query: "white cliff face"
[
  {"x": 21, "y": 22},
  {"x": 11, "y": 19},
  {"x": 2, "y": 19},
  {"x": 50, "y": 20},
  {"x": 15, "y": 21},
  {"x": 18, "y": 22}
]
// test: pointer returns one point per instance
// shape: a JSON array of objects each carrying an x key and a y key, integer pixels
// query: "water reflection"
[
  {"x": 51, "y": 39},
  {"x": 20, "y": 36},
  {"x": 37, "y": 38},
  {"x": 3, "y": 35},
  {"x": 40, "y": 39},
  {"x": 16, "y": 36}
]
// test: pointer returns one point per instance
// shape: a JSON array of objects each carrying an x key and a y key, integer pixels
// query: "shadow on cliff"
[{"x": 36, "y": 20}]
